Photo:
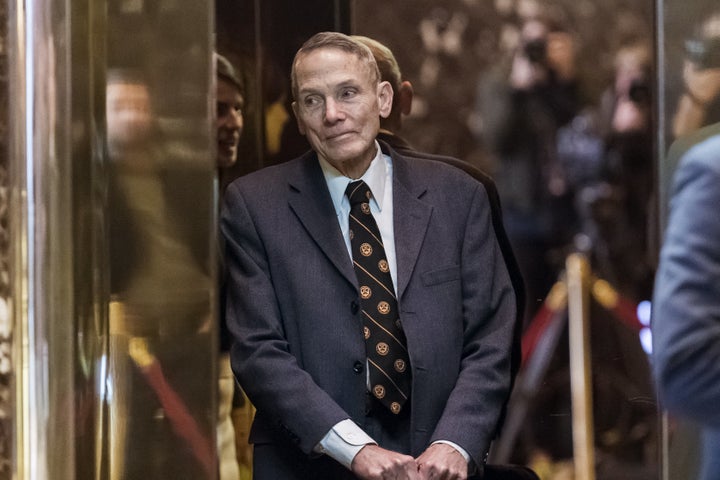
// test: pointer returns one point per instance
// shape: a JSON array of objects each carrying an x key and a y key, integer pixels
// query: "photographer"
[
  {"x": 620, "y": 190},
  {"x": 521, "y": 109},
  {"x": 698, "y": 104}
]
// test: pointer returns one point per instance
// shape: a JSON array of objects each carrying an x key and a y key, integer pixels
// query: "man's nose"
[
  {"x": 333, "y": 110},
  {"x": 234, "y": 119}
]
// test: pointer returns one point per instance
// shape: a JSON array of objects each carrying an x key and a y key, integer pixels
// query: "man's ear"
[
  {"x": 301, "y": 126},
  {"x": 385, "y": 97},
  {"x": 406, "y": 97}
]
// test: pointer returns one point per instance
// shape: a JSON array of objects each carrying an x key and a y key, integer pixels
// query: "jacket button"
[
  {"x": 358, "y": 368},
  {"x": 354, "y": 307}
]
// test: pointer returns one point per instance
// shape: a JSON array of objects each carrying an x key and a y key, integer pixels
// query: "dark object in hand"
[
  {"x": 639, "y": 91},
  {"x": 703, "y": 52},
  {"x": 536, "y": 50}
]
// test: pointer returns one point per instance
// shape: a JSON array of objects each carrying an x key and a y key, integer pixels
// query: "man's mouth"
[
  {"x": 338, "y": 136},
  {"x": 227, "y": 145}
]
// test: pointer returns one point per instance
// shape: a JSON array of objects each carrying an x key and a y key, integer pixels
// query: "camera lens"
[
  {"x": 639, "y": 92},
  {"x": 535, "y": 50}
]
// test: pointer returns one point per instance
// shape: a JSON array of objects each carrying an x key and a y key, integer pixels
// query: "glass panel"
[
  {"x": 112, "y": 247},
  {"x": 161, "y": 226}
]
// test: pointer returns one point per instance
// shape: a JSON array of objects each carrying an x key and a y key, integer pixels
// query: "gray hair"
[{"x": 338, "y": 41}]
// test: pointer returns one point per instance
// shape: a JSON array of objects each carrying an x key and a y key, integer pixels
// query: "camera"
[
  {"x": 704, "y": 52},
  {"x": 639, "y": 91},
  {"x": 536, "y": 50}
]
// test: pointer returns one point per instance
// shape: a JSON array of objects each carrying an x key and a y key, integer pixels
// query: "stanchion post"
[{"x": 578, "y": 275}]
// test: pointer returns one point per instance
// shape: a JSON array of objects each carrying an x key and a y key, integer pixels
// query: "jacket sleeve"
[
  {"x": 286, "y": 396},
  {"x": 473, "y": 409},
  {"x": 686, "y": 304}
]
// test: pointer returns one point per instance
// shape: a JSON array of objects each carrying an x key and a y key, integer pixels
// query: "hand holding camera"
[
  {"x": 541, "y": 54},
  {"x": 702, "y": 84}
]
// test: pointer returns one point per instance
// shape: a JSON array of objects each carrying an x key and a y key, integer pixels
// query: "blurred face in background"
[
  {"x": 129, "y": 115},
  {"x": 229, "y": 122}
]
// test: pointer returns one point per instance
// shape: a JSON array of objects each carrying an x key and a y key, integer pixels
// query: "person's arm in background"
[{"x": 686, "y": 306}]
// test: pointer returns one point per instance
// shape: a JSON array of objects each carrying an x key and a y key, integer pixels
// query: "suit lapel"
[
  {"x": 411, "y": 220},
  {"x": 310, "y": 199}
]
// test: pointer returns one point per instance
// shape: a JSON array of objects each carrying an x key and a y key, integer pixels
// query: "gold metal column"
[
  {"x": 68, "y": 365},
  {"x": 578, "y": 277}
]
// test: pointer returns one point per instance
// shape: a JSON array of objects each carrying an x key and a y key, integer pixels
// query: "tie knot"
[{"x": 358, "y": 192}]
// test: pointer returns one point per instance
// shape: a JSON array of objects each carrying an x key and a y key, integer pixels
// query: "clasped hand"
[{"x": 439, "y": 462}]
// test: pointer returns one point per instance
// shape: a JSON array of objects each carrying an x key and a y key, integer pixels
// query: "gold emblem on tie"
[
  {"x": 395, "y": 407},
  {"x": 366, "y": 332},
  {"x": 379, "y": 391},
  {"x": 366, "y": 249},
  {"x": 365, "y": 292},
  {"x": 400, "y": 365},
  {"x": 365, "y": 207},
  {"x": 382, "y": 348},
  {"x": 383, "y": 266},
  {"x": 383, "y": 307}
]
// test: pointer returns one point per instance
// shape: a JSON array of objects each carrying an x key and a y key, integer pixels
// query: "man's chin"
[{"x": 226, "y": 161}]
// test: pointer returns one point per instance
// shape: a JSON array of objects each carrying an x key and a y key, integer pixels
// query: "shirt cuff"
[
  {"x": 344, "y": 440},
  {"x": 461, "y": 451}
]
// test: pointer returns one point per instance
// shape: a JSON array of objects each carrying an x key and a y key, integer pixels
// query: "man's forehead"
[
  {"x": 226, "y": 89},
  {"x": 330, "y": 62}
]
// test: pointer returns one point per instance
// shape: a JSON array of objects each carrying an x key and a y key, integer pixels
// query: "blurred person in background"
[
  {"x": 522, "y": 109},
  {"x": 159, "y": 304},
  {"x": 607, "y": 156},
  {"x": 699, "y": 102},
  {"x": 230, "y": 100},
  {"x": 686, "y": 304}
]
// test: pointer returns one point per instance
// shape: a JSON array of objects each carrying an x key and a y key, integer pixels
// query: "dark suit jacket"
[
  {"x": 293, "y": 306},
  {"x": 686, "y": 303}
]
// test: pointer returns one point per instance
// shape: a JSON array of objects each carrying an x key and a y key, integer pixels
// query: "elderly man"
[{"x": 369, "y": 301}]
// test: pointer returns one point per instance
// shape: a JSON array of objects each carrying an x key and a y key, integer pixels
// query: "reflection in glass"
[
  {"x": 160, "y": 242},
  {"x": 160, "y": 289}
]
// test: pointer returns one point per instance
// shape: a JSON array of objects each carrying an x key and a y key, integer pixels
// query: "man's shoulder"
[
  {"x": 445, "y": 170},
  {"x": 705, "y": 154},
  {"x": 403, "y": 148}
]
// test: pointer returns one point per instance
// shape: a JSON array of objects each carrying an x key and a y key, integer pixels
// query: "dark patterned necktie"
[{"x": 385, "y": 344}]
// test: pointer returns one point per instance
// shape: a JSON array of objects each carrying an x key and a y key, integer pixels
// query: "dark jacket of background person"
[
  {"x": 521, "y": 130},
  {"x": 686, "y": 307}
]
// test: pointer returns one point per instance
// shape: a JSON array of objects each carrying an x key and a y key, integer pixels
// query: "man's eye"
[
  {"x": 348, "y": 93},
  {"x": 311, "y": 101},
  {"x": 223, "y": 109}
]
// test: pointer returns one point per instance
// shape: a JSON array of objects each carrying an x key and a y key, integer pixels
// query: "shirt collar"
[{"x": 375, "y": 177}]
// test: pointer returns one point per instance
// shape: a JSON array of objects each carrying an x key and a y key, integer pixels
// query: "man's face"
[
  {"x": 229, "y": 122},
  {"x": 129, "y": 116},
  {"x": 338, "y": 105}
]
